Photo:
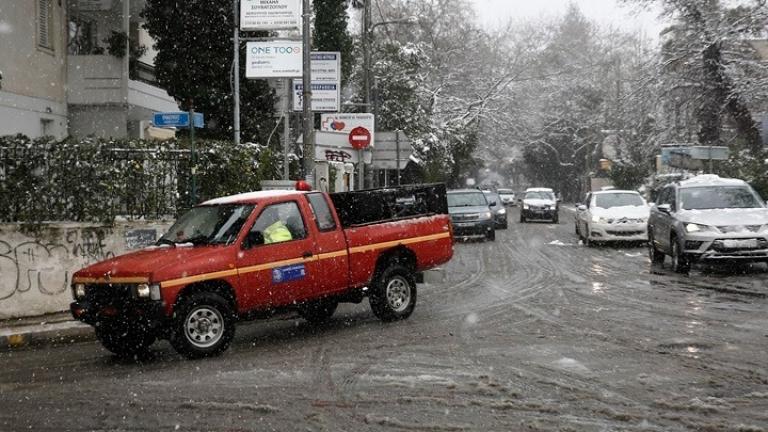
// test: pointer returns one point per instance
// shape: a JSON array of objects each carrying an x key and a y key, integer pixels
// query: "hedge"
[{"x": 97, "y": 180}]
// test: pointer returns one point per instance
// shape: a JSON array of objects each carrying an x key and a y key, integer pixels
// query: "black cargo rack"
[{"x": 371, "y": 206}]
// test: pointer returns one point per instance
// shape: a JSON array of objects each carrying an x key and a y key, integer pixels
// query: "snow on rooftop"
[
  {"x": 250, "y": 196},
  {"x": 615, "y": 191},
  {"x": 712, "y": 180}
]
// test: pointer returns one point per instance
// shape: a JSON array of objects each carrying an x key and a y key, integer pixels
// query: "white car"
[
  {"x": 507, "y": 196},
  {"x": 539, "y": 204},
  {"x": 612, "y": 215}
]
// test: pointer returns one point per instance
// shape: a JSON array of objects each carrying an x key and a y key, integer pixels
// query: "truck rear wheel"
[
  {"x": 122, "y": 340},
  {"x": 203, "y": 325},
  {"x": 318, "y": 311},
  {"x": 393, "y": 294}
]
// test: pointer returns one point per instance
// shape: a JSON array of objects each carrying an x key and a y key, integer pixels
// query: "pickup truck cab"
[{"x": 256, "y": 254}]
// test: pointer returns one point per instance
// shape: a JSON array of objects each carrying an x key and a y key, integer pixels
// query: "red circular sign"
[{"x": 359, "y": 137}]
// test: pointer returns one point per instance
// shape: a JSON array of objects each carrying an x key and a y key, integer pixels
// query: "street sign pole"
[
  {"x": 308, "y": 136},
  {"x": 236, "y": 73},
  {"x": 397, "y": 154},
  {"x": 192, "y": 155}
]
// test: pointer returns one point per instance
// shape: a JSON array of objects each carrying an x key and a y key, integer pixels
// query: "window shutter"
[{"x": 43, "y": 20}]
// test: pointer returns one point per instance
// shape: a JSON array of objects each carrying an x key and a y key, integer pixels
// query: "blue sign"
[
  {"x": 177, "y": 119},
  {"x": 289, "y": 273}
]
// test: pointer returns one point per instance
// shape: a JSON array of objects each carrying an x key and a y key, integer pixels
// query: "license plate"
[
  {"x": 740, "y": 244},
  {"x": 464, "y": 224}
]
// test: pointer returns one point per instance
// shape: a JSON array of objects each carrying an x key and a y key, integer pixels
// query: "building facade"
[{"x": 77, "y": 68}]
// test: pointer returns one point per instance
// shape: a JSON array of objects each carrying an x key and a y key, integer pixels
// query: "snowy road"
[{"x": 531, "y": 332}]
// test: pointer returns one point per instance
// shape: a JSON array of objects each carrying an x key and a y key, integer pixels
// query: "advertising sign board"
[
  {"x": 345, "y": 122},
  {"x": 273, "y": 59},
  {"x": 326, "y": 83},
  {"x": 270, "y": 14}
]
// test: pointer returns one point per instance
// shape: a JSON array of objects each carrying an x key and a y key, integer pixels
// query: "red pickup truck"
[{"x": 256, "y": 254}]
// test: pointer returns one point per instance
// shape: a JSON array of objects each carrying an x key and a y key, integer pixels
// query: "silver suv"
[{"x": 708, "y": 218}]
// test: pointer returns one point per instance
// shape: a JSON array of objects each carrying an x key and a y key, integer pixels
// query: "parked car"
[
  {"x": 612, "y": 215},
  {"x": 708, "y": 218},
  {"x": 539, "y": 204},
  {"x": 471, "y": 214},
  {"x": 498, "y": 210},
  {"x": 507, "y": 196},
  {"x": 255, "y": 254}
]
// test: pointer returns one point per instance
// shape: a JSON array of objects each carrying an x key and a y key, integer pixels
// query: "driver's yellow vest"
[{"x": 276, "y": 233}]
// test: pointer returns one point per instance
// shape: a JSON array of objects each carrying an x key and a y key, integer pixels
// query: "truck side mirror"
[{"x": 254, "y": 238}]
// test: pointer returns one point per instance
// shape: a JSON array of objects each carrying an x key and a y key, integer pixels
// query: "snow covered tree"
[
  {"x": 331, "y": 33},
  {"x": 194, "y": 64}
]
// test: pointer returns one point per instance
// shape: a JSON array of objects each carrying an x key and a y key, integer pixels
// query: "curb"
[{"x": 14, "y": 338}]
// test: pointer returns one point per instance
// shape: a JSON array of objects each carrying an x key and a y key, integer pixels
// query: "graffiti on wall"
[{"x": 46, "y": 268}]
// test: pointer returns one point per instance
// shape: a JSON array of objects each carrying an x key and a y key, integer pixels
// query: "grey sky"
[{"x": 605, "y": 12}]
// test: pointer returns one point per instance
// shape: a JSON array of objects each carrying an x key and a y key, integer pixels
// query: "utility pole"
[
  {"x": 308, "y": 137},
  {"x": 236, "y": 72},
  {"x": 366, "y": 79}
]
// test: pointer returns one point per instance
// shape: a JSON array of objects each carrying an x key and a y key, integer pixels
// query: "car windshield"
[
  {"x": 206, "y": 225},
  {"x": 505, "y": 192},
  {"x": 718, "y": 197},
  {"x": 540, "y": 195},
  {"x": 467, "y": 199},
  {"x": 618, "y": 200}
]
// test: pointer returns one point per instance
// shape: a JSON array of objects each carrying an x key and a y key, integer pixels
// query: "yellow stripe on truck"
[{"x": 319, "y": 257}]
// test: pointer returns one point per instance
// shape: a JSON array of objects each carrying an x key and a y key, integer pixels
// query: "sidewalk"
[{"x": 48, "y": 329}]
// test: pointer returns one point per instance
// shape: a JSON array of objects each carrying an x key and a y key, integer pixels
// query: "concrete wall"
[
  {"x": 98, "y": 120},
  {"x": 36, "y": 270}
]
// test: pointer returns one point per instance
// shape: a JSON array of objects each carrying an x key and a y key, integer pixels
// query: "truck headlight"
[
  {"x": 148, "y": 291},
  {"x": 78, "y": 291},
  {"x": 142, "y": 291}
]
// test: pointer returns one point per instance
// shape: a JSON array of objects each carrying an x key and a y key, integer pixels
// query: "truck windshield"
[
  {"x": 618, "y": 200},
  {"x": 469, "y": 199},
  {"x": 717, "y": 197},
  {"x": 217, "y": 224}
]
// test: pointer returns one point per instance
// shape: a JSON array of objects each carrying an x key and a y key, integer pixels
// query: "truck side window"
[
  {"x": 280, "y": 223},
  {"x": 322, "y": 212}
]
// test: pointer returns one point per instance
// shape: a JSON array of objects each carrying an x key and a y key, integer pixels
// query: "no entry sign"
[{"x": 359, "y": 138}]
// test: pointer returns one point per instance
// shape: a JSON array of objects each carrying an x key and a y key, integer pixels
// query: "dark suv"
[
  {"x": 471, "y": 213},
  {"x": 708, "y": 218}
]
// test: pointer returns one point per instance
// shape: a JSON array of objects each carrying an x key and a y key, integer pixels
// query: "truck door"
[
  {"x": 277, "y": 263},
  {"x": 333, "y": 260}
]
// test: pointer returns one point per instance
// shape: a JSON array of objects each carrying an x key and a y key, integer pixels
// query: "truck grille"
[
  {"x": 465, "y": 218},
  {"x": 109, "y": 294}
]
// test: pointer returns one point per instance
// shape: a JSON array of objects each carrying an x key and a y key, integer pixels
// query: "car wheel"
[
  {"x": 203, "y": 325},
  {"x": 490, "y": 235},
  {"x": 393, "y": 294},
  {"x": 522, "y": 218},
  {"x": 318, "y": 311},
  {"x": 556, "y": 219},
  {"x": 123, "y": 340},
  {"x": 657, "y": 257},
  {"x": 587, "y": 241},
  {"x": 680, "y": 262}
]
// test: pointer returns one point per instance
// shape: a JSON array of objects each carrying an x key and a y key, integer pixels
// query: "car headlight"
[
  {"x": 503, "y": 211},
  {"x": 596, "y": 219},
  {"x": 78, "y": 291},
  {"x": 486, "y": 215},
  {"x": 525, "y": 206},
  {"x": 693, "y": 228}
]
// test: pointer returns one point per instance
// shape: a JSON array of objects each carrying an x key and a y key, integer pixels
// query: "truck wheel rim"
[
  {"x": 204, "y": 326},
  {"x": 398, "y": 294}
]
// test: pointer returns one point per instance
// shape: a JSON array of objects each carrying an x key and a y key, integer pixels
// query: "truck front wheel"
[
  {"x": 393, "y": 294},
  {"x": 122, "y": 340},
  {"x": 203, "y": 325}
]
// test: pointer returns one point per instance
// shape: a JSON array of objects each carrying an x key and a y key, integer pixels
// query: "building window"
[{"x": 45, "y": 24}]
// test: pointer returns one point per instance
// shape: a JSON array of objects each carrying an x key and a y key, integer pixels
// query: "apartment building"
[{"x": 77, "y": 68}]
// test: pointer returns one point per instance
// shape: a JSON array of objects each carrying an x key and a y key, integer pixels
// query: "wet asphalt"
[{"x": 532, "y": 332}]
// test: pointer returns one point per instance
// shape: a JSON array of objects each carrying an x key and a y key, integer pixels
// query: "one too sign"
[{"x": 359, "y": 138}]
